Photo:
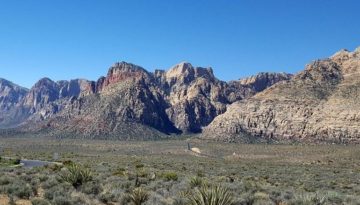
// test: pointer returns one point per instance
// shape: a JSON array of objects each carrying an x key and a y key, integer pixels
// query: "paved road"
[{"x": 33, "y": 163}]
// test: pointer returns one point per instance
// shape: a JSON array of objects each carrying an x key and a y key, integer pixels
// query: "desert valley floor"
[{"x": 166, "y": 172}]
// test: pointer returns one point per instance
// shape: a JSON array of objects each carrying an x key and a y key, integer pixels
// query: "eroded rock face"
[
  {"x": 248, "y": 87},
  {"x": 193, "y": 94},
  {"x": 10, "y": 97},
  {"x": 319, "y": 103},
  {"x": 128, "y": 104},
  {"x": 75, "y": 88},
  {"x": 10, "y": 94},
  {"x": 264, "y": 80},
  {"x": 43, "y": 92},
  {"x": 121, "y": 72},
  {"x": 46, "y": 98}
]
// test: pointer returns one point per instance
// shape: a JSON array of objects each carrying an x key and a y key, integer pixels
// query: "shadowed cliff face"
[
  {"x": 319, "y": 103},
  {"x": 10, "y": 96},
  {"x": 195, "y": 96},
  {"x": 130, "y": 102}
]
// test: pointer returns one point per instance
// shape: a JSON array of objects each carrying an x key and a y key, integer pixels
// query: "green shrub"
[
  {"x": 170, "y": 176},
  {"x": 106, "y": 197},
  {"x": 77, "y": 175},
  {"x": 5, "y": 180},
  {"x": 61, "y": 200},
  {"x": 334, "y": 198},
  {"x": 120, "y": 172},
  {"x": 43, "y": 177},
  {"x": 15, "y": 161},
  {"x": 39, "y": 202},
  {"x": 20, "y": 190},
  {"x": 215, "y": 195},
  {"x": 139, "y": 166},
  {"x": 60, "y": 190},
  {"x": 91, "y": 188},
  {"x": 200, "y": 173},
  {"x": 68, "y": 163},
  {"x": 54, "y": 167}
]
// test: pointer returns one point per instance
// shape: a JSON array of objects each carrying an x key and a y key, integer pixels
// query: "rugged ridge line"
[
  {"x": 130, "y": 102},
  {"x": 320, "y": 103}
]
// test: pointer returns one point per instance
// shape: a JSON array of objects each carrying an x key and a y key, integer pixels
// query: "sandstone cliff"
[
  {"x": 195, "y": 96},
  {"x": 10, "y": 97},
  {"x": 320, "y": 103}
]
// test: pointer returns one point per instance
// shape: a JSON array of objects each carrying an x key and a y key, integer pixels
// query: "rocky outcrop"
[
  {"x": 248, "y": 87},
  {"x": 128, "y": 104},
  {"x": 193, "y": 94},
  {"x": 46, "y": 98},
  {"x": 42, "y": 93},
  {"x": 75, "y": 88},
  {"x": 263, "y": 80},
  {"x": 120, "y": 72},
  {"x": 10, "y": 97},
  {"x": 10, "y": 94},
  {"x": 320, "y": 103}
]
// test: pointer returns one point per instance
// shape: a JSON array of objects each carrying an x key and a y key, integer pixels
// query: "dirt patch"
[
  {"x": 4, "y": 200},
  {"x": 23, "y": 202}
]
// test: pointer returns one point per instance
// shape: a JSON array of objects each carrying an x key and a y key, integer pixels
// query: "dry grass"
[{"x": 254, "y": 174}]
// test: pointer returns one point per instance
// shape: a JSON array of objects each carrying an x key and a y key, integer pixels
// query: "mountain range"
[
  {"x": 320, "y": 103},
  {"x": 128, "y": 103}
]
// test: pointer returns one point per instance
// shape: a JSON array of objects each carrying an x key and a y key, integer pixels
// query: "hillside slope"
[{"x": 320, "y": 103}]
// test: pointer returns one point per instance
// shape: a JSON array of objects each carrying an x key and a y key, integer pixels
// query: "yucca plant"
[
  {"x": 196, "y": 182},
  {"x": 77, "y": 175},
  {"x": 138, "y": 196},
  {"x": 315, "y": 199},
  {"x": 214, "y": 195}
]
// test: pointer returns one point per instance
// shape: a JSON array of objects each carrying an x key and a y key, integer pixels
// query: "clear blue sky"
[{"x": 66, "y": 39}]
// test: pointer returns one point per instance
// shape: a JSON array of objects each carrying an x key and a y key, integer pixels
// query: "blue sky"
[{"x": 66, "y": 39}]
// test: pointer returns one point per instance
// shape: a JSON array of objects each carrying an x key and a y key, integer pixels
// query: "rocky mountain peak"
[
  {"x": 10, "y": 97},
  {"x": 180, "y": 70},
  {"x": 44, "y": 82},
  {"x": 321, "y": 71},
  {"x": 185, "y": 73},
  {"x": 263, "y": 80},
  {"x": 348, "y": 61},
  {"x": 124, "y": 67},
  {"x": 342, "y": 52},
  {"x": 121, "y": 72},
  {"x": 320, "y": 103},
  {"x": 76, "y": 87},
  {"x": 185, "y": 69},
  {"x": 341, "y": 56},
  {"x": 6, "y": 85},
  {"x": 344, "y": 55},
  {"x": 4, "y": 82},
  {"x": 10, "y": 94},
  {"x": 43, "y": 92}
]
